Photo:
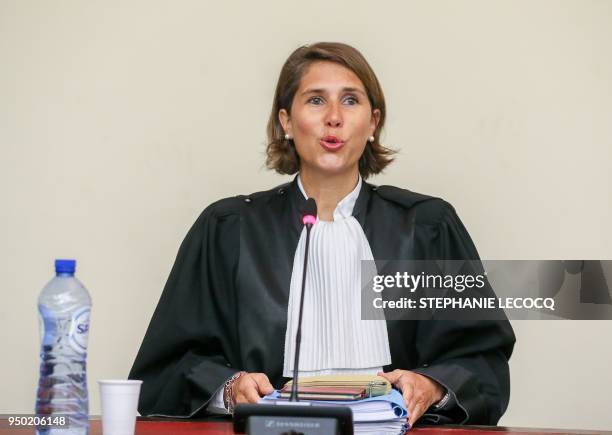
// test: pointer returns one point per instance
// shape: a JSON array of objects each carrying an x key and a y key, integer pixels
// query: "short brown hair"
[{"x": 281, "y": 153}]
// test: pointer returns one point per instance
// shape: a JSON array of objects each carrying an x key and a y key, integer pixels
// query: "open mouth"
[{"x": 331, "y": 143}]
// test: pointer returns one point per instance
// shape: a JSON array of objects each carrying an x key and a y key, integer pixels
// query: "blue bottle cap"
[{"x": 65, "y": 266}]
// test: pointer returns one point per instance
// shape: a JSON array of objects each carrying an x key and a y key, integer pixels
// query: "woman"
[{"x": 223, "y": 331}]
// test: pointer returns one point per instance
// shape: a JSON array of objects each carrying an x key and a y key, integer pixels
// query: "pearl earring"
[
  {"x": 287, "y": 137},
  {"x": 371, "y": 139}
]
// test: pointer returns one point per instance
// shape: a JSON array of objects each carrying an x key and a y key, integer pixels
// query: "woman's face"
[{"x": 331, "y": 119}]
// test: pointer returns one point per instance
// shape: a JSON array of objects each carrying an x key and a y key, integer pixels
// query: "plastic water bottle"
[{"x": 64, "y": 306}]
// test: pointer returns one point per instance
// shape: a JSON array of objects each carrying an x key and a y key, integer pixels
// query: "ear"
[
  {"x": 374, "y": 120},
  {"x": 285, "y": 121}
]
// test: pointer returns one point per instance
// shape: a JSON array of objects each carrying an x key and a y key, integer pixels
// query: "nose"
[{"x": 333, "y": 117}]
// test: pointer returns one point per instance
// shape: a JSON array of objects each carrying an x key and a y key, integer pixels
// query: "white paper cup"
[{"x": 119, "y": 406}]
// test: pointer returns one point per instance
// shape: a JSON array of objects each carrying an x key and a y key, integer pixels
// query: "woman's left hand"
[{"x": 420, "y": 392}]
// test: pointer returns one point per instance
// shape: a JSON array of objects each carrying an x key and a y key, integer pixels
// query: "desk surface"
[{"x": 166, "y": 427}]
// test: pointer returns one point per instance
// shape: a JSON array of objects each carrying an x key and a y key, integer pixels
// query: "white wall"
[{"x": 121, "y": 121}]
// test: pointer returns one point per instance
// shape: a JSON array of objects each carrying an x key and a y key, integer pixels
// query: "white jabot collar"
[
  {"x": 335, "y": 339},
  {"x": 344, "y": 209}
]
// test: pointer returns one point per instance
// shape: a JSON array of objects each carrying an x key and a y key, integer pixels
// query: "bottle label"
[{"x": 79, "y": 330}]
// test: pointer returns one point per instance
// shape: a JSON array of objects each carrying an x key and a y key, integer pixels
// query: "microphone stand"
[
  {"x": 298, "y": 335},
  {"x": 293, "y": 417}
]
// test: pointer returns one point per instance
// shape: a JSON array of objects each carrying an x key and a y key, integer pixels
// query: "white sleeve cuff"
[{"x": 216, "y": 404}]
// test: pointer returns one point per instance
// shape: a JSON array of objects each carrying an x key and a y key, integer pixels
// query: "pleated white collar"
[{"x": 334, "y": 338}]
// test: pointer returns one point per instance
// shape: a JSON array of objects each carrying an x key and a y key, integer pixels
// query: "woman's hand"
[
  {"x": 250, "y": 387},
  {"x": 420, "y": 392}
]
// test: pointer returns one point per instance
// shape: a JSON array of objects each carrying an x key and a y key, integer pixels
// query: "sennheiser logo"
[{"x": 292, "y": 424}]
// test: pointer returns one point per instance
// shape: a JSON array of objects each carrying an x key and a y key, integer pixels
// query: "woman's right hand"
[{"x": 250, "y": 387}]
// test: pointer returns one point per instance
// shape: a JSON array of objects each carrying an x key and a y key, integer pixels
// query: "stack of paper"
[
  {"x": 369, "y": 385},
  {"x": 380, "y": 415}
]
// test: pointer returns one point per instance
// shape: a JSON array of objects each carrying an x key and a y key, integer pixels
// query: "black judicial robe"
[{"x": 224, "y": 307}]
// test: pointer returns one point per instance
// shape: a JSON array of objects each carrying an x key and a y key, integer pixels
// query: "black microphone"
[
  {"x": 291, "y": 417},
  {"x": 309, "y": 218},
  {"x": 309, "y": 213}
]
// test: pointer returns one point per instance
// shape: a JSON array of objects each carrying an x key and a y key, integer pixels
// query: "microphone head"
[{"x": 309, "y": 212}]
